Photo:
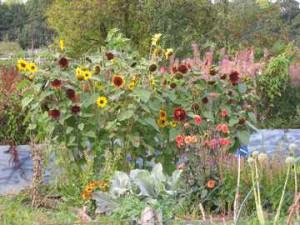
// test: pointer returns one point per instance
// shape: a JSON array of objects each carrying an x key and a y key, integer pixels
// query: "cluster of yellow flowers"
[
  {"x": 83, "y": 73},
  {"x": 162, "y": 121},
  {"x": 24, "y": 66}
]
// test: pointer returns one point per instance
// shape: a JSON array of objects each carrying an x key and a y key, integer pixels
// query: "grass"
[
  {"x": 15, "y": 210},
  {"x": 8, "y": 48}
]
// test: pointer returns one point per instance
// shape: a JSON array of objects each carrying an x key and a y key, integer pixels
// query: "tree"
[{"x": 35, "y": 32}]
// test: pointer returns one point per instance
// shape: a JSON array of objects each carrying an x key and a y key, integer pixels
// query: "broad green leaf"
[
  {"x": 22, "y": 84},
  {"x": 91, "y": 134},
  {"x": 144, "y": 95},
  {"x": 233, "y": 121},
  {"x": 153, "y": 123},
  {"x": 69, "y": 130},
  {"x": 124, "y": 115},
  {"x": 81, "y": 126},
  {"x": 173, "y": 133},
  {"x": 26, "y": 101}
]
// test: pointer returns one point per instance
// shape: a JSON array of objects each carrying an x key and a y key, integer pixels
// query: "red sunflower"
[
  {"x": 54, "y": 114},
  {"x": 118, "y": 81}
]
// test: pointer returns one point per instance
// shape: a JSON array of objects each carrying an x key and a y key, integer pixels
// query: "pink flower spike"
[
  {"x": 214, "y": 95},
  {"x": 197, "y": 119}
]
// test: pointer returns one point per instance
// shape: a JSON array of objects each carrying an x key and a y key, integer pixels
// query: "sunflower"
[
  {"x": 63, "y": 62},
  {"x": 155, "y": 39},
  {"x": 101, "y": 101},
  {"x": 75, "y": 109},
  {"x": 79, "y": 73},
  {"x": 131, "y": 85},
  {"x": 118, "y": 81},
  {"x": 162, "y": 123},
  {"x": 56, "y": 84},
  {"x": 97, "y": 70},
  {"x": 162, "y": 114},
  {"x": 98, "y": 85},
  {"x": 22, "y": 65},
  {"x": 61, "y": 45},
  {"x": 71, "y": 94},
  {"x": 168, "y": 53},
  {"x": 86, "y": 75},
  {"x": 173, "y": 124},
  {"x": 54, "y": 114},
  {"x": 31, "y": 67}
]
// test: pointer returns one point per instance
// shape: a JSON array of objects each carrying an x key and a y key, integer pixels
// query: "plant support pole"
[{"x": 237, "y": 192}]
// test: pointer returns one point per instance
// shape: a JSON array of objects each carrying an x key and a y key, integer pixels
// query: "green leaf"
[
  {"x": 233, "y": 121},
  {"x": 124, "y": 115},
  {"x": 143, "y": 94},
  {"x": 91, "y": 134},
  {"x": 243, "y": 136},
  {"x": 26, "y": 101},
  {"x": 22, "y": 84},
  {"x": 81, "y": 126},
  {"x": 204, "y": 193},
  {"x": 153, "y": 123},
  {"x": 209, "y": 115},
  {"x": 69, "y": 130},
  {"x": 173, "y": 133}
]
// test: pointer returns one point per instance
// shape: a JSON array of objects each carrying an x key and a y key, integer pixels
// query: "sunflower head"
[
  {"x": 79, "y": 74},
  {"x": 162, "y": 123},
  {"x": 86, "y": 75},
  {"x": 162, "y": 114},
  {"x": 32, "y": 68},
  {"x": 22, "y": 65},
  {"x": 118, "y": 81},
  {"x": 101, "y": 101},
  {"x": 155, "y": 39}
]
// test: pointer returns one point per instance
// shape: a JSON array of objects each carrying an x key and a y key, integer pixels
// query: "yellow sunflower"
[
  {"x": 155, "y": 39},
  {"x": 101, "y": 101},
  {"x": 162, "y": 123},
  {"x": 173, "y": 124},
  {"x": 98, "y": 85},
  {"x": 31, "y": 67},
  {"x": 22, "y": 65},
  {"x": 168, "y": 53},
  {"x": 162, "y": 114},
  {"x": 131, "y": 85},
  {"x": 79, "y": 74},
  {"x": 61, "y": 45},
  {"x": 87, "y": 75}
]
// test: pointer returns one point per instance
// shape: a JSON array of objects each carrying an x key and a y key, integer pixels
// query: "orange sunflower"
[{"x": 118, "y": 81}]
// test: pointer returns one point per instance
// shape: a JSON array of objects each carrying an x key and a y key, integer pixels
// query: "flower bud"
[
  {"x": 255, "y": 154},
  {"x": 262, "y": 157},
  {"x": 293, "y": 148},
  {"x": 290, "y": 160},
  {"x": 251, "y": 160}
]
